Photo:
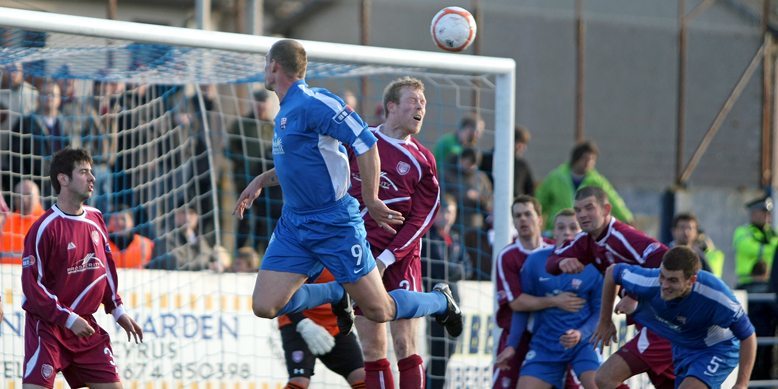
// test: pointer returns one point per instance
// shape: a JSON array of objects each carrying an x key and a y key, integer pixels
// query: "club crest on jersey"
[
  {"x": 96, "y": 238},
  {"x": 343, "y": 114},
  {"x": 403, "y": 168},
  {"x": 47, "y": 370},
  {"x": 576, "y": 283},
  {"x": 28, "y": 261}
]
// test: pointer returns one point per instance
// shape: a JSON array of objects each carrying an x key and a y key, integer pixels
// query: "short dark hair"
[
  {"x": 759, "y": 269},
  {"x": 64, "y": 161},
  {"x": 527, "y": 199},
  {"x": 582, "y": 148},
  {"x": 521, "y": 135},
  {"x": 682, "y": 258},
  {"x": 469, "y": 121},
  {"x": 472, "y": 154},
  {"x": 261, "y": 95},
  {"x": 290, "y": 54},
  {"x": 588, "y": 191},
  {"x": 685, "y": 217},
  {"x": 569, "y": 212}
]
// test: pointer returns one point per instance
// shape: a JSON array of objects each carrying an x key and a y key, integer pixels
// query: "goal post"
[
  {"x": 177, "y": 120},
  {"x": 503, "y": 69}
]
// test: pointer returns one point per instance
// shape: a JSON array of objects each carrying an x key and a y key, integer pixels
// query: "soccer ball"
[{"x": 453, "y": 29}]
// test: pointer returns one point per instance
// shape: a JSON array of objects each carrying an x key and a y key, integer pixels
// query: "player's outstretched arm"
[
  {"x": 132, "y": 328},
  {"x": 747, "y": 357},
  {"x": 565, "y": 301},
  {"x": 369, "y": 168},
  {"x": 606, "y": 330},
  {"x": 252, "y": 191}
]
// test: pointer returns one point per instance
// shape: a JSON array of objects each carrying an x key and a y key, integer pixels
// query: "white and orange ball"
[{"x": 453, "y": 28}]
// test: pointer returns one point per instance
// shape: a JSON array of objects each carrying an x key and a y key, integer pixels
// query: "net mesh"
[{"x": 176, "y": 133}]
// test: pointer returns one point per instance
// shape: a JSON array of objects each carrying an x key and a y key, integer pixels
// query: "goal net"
[{"x": 178, "y": 123}]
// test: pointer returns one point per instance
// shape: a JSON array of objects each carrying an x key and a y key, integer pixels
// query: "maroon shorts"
[
  {"x": 404, "y": 274},
  {"x": 49, "y": 349},
  {"x": 650, "y": 353}
]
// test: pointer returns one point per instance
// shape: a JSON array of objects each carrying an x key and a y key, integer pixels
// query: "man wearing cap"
[{"x": 756, "y": 241}]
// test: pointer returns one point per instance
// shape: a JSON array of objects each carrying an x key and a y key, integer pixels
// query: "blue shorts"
[
  {"x": 550, "y": 365},
  {"x": 334, "y": 237},
  {"x": 711, "y": 365}
]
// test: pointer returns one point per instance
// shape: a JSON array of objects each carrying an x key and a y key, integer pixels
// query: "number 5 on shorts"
[{"x": 714, "y": 364}]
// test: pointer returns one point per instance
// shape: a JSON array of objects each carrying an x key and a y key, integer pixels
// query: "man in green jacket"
[
  {"x": 557, "y": 190},
  {"x": 756, "y": 241},
  {"x": 470, "y": 130}
]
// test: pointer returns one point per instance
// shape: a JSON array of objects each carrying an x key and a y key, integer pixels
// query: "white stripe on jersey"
[
  {"x": 501, "y": 273},
  {"x": 718, "y": 297},
  {"x": 396, "y": 143},
  {"x": 337, "y": 165},
  {"x": 83, "y": 218},
  {"x": 360, "y": 147},
  {"x": 42, "y": 228},
  {"x": 639, "y": 280},
  {"x": 87, "y": 289},
  {"x": 427, "y": 221},
  {"x": 717, "y": 334},
  {"x": 578, "y": 236},
  {"x": 34, "y": 358},
  {"x": 617, "y": 254},
  {"x": 363, "y": 212},
  {"x": 334, "y": 105},
  {"x": 629, "y": 247}
]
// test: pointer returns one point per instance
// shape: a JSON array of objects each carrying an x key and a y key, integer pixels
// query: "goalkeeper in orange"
[{"x": 314, "y": 334}]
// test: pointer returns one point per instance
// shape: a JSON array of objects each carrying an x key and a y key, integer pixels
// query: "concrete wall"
[{"x": 631, "y": 78}]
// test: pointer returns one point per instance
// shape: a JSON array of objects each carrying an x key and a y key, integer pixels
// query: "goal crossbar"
[{"x": 503, "y": 69}]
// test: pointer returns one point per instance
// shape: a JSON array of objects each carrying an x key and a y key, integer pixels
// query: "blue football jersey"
[
  {"x": 551, "y": 323},
  {"x": 708, "y": 316},
  {"x": 310, "y": 159}
]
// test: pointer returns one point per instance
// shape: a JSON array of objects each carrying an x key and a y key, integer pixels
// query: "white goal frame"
[{"x": 504, "y": 70}]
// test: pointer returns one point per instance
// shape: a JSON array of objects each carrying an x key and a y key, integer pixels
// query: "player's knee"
[
  {"x": 404, "y": 347},
  {"x": 377, "y": 314},
  {"x": 603, "y": 380},
  {"x": 263, "y": 311}
]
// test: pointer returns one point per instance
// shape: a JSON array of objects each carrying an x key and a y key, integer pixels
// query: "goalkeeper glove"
[{"x": 317, "y": 338}]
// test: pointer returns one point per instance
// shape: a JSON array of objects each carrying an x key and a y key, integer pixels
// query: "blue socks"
[
  {"x": 409, "y": 304},
  {"x": 418, "y": 304},
  {"x": 311, "y": 296}
]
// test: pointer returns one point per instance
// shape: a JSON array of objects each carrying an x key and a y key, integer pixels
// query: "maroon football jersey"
[
  {"x": 409, "y": 185},
  {"x": 619, "y": 243},
  {"x": 508, "y": 277},
  {"x": 67, "y": 267}
]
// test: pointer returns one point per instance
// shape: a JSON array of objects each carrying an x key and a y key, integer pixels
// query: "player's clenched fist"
[{"x": 571, "y": 265}]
